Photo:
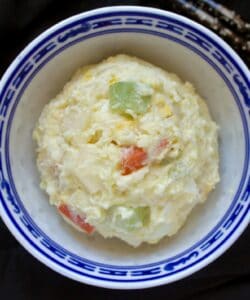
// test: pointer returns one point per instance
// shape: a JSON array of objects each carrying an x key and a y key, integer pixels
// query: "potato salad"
[{"x": 127, "y": 150}]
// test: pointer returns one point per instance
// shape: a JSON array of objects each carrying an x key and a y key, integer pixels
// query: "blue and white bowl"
[{"x": 39, "y": 73}]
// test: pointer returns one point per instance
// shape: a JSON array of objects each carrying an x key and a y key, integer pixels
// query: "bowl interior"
[{"x": 168, "y": 55}]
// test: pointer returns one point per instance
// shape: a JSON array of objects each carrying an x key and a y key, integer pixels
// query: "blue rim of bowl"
[{"x": 141, "y": 21}]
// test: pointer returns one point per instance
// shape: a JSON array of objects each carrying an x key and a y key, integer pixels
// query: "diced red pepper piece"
[
  {"x": 75, "y": 218},
  {"x": 161, "y": 146},
  {"x": 133, "y": 158}
]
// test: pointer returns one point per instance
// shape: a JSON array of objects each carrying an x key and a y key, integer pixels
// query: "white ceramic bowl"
[{"x": 39, "y": 73}]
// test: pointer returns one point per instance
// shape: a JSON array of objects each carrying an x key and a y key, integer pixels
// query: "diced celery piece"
[
  {"x": 131, "y": 218},
  {"x": 130, "y": 97}
]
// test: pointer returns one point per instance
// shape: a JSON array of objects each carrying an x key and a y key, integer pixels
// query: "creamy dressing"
[{"x": 81, "y": 142}]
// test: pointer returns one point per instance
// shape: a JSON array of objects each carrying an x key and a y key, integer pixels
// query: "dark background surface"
[{"x": 21, "y": 275}]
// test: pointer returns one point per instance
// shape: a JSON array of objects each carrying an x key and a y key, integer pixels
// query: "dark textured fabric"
[{"x": 22, "y": 277}]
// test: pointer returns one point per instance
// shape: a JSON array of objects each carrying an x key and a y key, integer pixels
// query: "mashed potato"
[{"x": 127, "y": 150}]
